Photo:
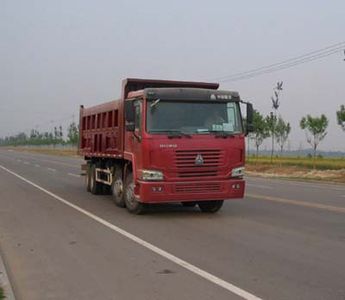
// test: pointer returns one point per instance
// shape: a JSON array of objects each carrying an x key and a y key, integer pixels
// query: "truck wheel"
[
  {"x": 87, "y": 178},
  {"x": 132, "y": 203},
  {"x": 117, "y": 188},
  {"x": 210, "y": 206},
  {"x": 95, "y": 187}
]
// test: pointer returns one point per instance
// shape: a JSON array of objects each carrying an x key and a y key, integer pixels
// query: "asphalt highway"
[{"x": 284, "y": 240}]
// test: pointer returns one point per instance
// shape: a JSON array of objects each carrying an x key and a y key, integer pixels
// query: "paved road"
[{"x": 285, "y": 240}]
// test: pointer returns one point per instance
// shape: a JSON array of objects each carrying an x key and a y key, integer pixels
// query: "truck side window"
[{"x": 137, "y": 121}]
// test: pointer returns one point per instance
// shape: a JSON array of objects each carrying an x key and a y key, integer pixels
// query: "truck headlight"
[
  {"x": 151, "y": 175},
  {"x": 237, "y": 172}
]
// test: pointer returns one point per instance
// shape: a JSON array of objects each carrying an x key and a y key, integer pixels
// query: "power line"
[
  {"x": 51, "y": 122},
  {"x": 338, "y": 46},
  {"x": 285, "y": 66},
  {"x": 288, "y": 63}
]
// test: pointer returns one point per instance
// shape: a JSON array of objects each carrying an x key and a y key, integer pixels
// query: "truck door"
[{"x": 134, "y": 137}]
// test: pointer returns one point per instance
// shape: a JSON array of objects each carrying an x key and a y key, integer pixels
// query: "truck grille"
[
  {"x": 197, "y": 187},
  {"x": 186, "y": 165}
]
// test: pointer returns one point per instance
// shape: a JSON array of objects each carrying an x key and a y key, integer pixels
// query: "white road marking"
[
  {"x": 305, "y": 184},
  {"x": 74, "y": 175},
  {"x": 182, "y": 263},
  {"x": 38, "y": 158},
  {"x": 51, "y": 169},
  {"x": 19, "y": 160},
  {"x": 59, "y": 163},
  {"x": 259, "y": 186},
  {"x": 26, "y": 163},
  {"x": 311, "y": 185},
  {"x": 298, "y": 203},
  {"x": 37, "y": 165}
]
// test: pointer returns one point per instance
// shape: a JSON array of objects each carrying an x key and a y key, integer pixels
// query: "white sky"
[{"x": 56, "y": 55}]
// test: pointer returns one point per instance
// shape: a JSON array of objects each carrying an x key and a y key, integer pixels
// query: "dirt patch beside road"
[{"x": 295, "y": 172}]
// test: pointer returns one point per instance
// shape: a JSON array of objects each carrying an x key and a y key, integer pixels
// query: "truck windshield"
[{"x": 193, "y": 117}]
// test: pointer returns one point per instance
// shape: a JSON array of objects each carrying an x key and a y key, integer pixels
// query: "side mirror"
[
  {"x": 250, "y": 114},
  {"x": 129, "y": 115},
  {"x": 130, "y": 127}
]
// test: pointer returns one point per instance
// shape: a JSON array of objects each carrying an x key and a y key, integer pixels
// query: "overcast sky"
[{"x": 56, "y": 55}]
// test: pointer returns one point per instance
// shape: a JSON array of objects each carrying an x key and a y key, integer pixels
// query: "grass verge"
[
  {"x": 326, "y": 169},
  {"x": 2, "y": 293},
  {"x": 337, "y": 163}
]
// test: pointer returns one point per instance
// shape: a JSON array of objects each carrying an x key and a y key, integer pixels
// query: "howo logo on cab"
[
  {"x": 167, "y": 146},
  {"x": 199, "y": 160}
]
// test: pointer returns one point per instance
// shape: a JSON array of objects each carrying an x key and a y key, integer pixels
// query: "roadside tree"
[
  {"x": 271, "y": 123},
  {"x": 341, "y": 116},
  {"x": 260, "y": 132},
  {"x": 282, "y": 133},
  {"x": 315, "y": 128},
  {"x": 273, "y": 116},
  {"x": 73, "y": 134}
]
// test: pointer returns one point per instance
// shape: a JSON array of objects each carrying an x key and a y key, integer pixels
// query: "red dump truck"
[{"x": 166, "y": 141}]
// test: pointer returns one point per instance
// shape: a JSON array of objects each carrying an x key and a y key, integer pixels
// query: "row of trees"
[
  {"x": 279, "y": 130},
  {"x": 271, "y": 126},
  {"x": 44, "y": 138}
]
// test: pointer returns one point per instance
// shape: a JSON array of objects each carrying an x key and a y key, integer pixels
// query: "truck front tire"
[
  {"x": 210, "y": 206},
  {"x": 117, "y": 188},
  {"x": 132, "y": 203}
]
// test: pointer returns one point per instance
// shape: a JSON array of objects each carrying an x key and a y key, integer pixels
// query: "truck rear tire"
[
  {"x": 87, "y": 177},
  {"x": 132, "y": 203},
  {"x": 117, "y": 188},
  {"x": 95, "y": 187},
  {"x": 210, "y": 206}
]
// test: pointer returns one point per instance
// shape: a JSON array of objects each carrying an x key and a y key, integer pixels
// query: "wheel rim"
[{"x": 118, "y": 189}]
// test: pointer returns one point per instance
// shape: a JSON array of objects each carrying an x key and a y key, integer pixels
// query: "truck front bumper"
[{"x": 163, "y": 192}]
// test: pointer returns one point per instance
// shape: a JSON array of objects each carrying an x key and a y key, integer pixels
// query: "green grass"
[
  {"x": 301, "y": 162},
  {"x": 2, "y": 294}
]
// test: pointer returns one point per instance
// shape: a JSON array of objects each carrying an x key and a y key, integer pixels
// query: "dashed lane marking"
[
  {"x": 182, "y": 263},
  {"x": 306, "y": 184},
  {"x": 298, "y": 203},
  {"x": 37, "y": 158},
  {"x": 51, "y": 169},
  {"x": 74, "y": 175}
]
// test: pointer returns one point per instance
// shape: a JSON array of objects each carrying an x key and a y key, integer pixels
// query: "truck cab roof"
[{"x": 190, "y": 94}]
